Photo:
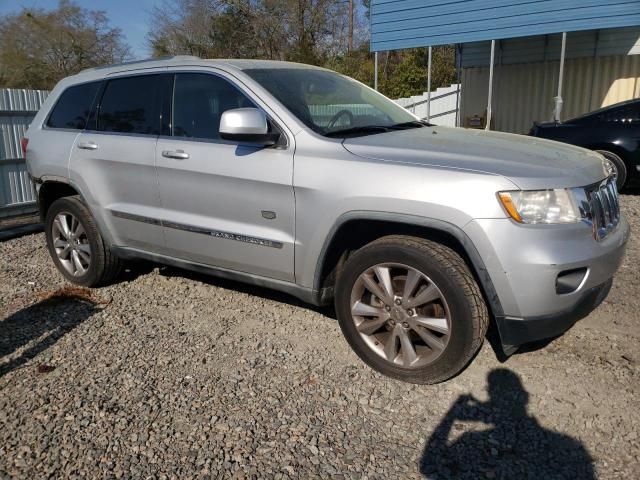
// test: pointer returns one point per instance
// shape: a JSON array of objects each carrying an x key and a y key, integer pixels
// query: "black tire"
[
  {"x": 621, "y": 168},
  {"x": 469, "y": 317},
  {"x": 104, "y": 266}
]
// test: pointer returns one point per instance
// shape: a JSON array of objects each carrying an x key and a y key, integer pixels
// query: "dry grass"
[{"x": 71, "y": 292}]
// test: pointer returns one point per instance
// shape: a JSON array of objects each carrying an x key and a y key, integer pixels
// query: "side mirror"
[{"x": 246, "y": 125}]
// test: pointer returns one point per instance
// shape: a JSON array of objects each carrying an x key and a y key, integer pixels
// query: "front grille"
[{"x": 605, "y": 208}]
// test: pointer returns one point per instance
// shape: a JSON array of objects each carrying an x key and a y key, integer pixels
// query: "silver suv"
[{"x": 298, "y": 179}]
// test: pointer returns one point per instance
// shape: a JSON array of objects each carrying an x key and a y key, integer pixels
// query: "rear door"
[
  {"x": 54, "y": 143},
  {"x": 113, "y": 160},
  {"x": 225, "y": 204}
]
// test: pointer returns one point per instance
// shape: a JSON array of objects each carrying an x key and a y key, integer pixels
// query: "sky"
[{"x": 131, "y": 16}]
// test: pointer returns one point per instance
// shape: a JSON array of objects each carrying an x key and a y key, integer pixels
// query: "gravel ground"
[{"x": 172, "y": 375}]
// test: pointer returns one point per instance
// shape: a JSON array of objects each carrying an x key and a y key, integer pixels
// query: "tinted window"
[
  {"x": 627, "y": 114},
  {"x": 198, "y": 102},
  {"x": 131, "y": 105},
  {"x": 73, "y": 107}
]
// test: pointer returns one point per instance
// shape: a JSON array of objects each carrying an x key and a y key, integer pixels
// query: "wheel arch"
[
  {"x": 619, "y": 150},
  {"x": 51, "y": 190},
  {"x": 355, "y": 229}
]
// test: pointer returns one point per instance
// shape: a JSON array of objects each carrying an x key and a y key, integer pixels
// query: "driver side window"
[{"x": 199, "y": 100}]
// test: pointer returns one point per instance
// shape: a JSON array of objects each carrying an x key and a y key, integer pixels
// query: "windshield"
[{"x": 332, "y": 104}]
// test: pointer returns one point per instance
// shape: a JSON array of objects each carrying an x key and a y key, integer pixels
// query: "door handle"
[
  {"x": 177, "y": 154},
  {"x": 88, "y": 145}
]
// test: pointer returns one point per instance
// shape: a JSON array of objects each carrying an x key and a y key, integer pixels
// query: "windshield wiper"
[
  {"x": 373, "y": 129},
  {"x": 411, "y": 124},
  {"x": 362, "y": 130}
]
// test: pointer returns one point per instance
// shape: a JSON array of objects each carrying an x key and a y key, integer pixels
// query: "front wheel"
[
  {"x": 411, "y": 309},
  {"x": 615, "y": 166}
]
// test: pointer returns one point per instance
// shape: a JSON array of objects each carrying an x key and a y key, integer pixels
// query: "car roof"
[{"x": 187, "y": 60}]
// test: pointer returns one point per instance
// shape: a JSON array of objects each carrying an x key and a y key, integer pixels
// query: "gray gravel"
[{"x": 172, "y": 375}]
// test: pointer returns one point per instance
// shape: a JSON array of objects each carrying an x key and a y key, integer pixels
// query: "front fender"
[{"x": 431, "y": 224}]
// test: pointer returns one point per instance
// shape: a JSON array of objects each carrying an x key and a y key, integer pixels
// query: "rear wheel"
[
  {"x": 76, "y": 246},
  {"x": 615, "y": 166},
  {"x": 411, "y": 309}
]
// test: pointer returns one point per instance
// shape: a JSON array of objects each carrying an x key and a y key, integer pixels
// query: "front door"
[{"x": 224, "y": 204}]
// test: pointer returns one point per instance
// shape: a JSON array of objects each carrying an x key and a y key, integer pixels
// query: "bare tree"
[
  {"x": 318, "y": 32},
  {"x": 38, "y": 47},
  {"x": 302, "y": 30}
]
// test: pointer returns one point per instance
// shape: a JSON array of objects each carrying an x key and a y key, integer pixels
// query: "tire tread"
[
  {"x": 457, "y": 269},
  {"x": 108, "y": 266}
]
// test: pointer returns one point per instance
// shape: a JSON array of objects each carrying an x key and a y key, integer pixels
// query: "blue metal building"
[{"x": 555, "y": 56}]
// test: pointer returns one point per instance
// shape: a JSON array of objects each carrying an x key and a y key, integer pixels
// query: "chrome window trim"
[
  {"x": 220, "y": 141},
  {"x": 121, "y": 134},
  {"x": 68, "y": 130},
  {"x": 201, "y": 69}
]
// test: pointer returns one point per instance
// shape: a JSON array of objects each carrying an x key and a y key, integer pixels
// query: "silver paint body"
[{"x": 439, "y": 175}]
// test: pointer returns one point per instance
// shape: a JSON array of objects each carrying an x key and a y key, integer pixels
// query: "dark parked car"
[{"x": 613, "y": 131}]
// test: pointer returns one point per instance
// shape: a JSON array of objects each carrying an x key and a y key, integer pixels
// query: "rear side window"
[
  {"x": 624, "y": 115},
  {"x": 630, "y": 114},
  {"x": 199, "y": 100},
  {"x": 73, "y": 107},
  {"x": 131, "y": 105}
]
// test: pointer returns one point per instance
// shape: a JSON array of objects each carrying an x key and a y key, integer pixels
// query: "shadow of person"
[
  {"x": 514, "y": 445},
  {"x": 39, "y": 326}
]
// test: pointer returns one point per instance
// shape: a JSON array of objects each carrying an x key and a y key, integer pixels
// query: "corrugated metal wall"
[
  {"x": 544, "y": 48},
  {"x": 397, "y": 24},
  {"x": 17, "y": 109},
  {"x": 523, "y": 93}
]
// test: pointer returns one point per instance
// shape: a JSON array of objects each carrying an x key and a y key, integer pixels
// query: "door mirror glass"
[{"x": 246, "y": 125}]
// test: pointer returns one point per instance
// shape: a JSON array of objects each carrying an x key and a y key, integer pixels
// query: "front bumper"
[
  {"x": 524, "y": 261},
  {"x": 517, "y": 331}
]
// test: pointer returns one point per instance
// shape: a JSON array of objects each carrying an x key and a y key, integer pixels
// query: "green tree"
[
  {"x": 39, "y": 47},
  {"x": 404, "y": 73}
]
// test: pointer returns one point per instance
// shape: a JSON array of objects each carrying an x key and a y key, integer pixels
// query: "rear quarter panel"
[{"x": 49, "y": 149}]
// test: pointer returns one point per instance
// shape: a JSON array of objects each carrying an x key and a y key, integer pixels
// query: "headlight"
[{"x": 541, "y": 206}]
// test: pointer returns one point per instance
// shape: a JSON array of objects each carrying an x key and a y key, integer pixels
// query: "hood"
[{"x": 529, "y": 162}]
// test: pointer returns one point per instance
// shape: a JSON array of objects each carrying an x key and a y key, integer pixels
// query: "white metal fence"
[
  {"x": 17, "y": 109},
  {"x": 445, "y": 104}
]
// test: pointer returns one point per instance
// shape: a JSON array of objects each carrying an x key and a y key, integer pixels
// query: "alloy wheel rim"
[
  {"x": 71, "y": 244},
  {"x": 401, "y": 314}
]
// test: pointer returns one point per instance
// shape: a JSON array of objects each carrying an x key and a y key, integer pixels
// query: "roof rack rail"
[{"x": 146, "y": 60}]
